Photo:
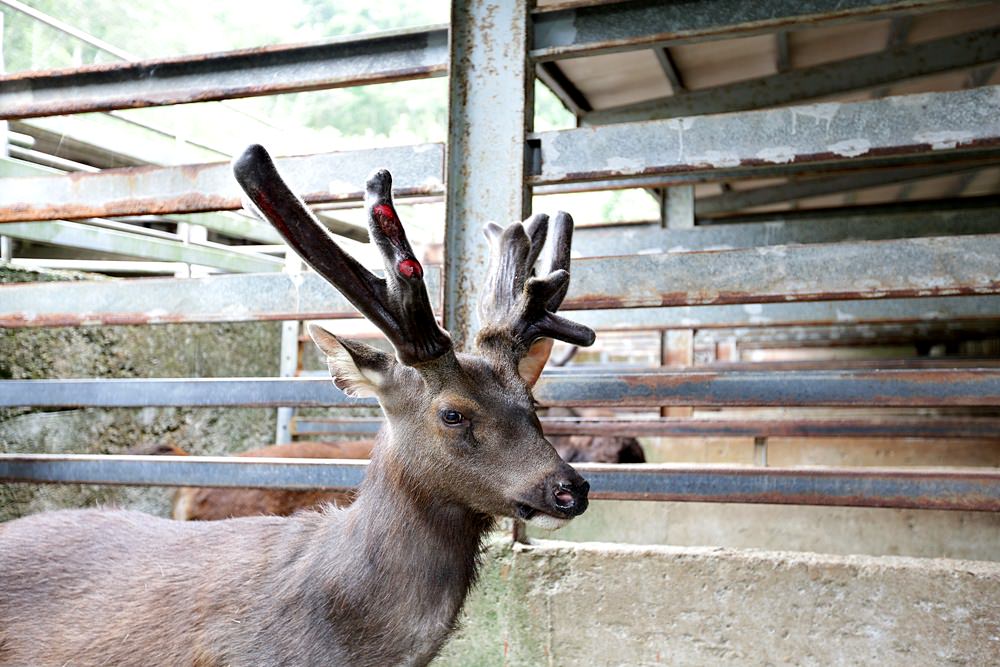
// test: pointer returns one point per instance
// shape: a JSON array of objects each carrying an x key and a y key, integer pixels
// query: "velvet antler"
[
  {"x": 515, "y": 306},
  {"x": 397, "y": 304}
]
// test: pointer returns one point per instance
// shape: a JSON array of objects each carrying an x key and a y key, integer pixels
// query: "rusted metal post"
[{"x": 491, "y": 105}]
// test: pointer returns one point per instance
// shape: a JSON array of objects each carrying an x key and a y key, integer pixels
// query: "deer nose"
[{"x": 570, "y": 495}]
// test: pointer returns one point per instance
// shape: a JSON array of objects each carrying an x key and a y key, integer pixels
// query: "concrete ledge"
[{"x": 556, "y": 603}]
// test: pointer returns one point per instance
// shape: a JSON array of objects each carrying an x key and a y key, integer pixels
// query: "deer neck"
[{"x": 411, "y": 559}]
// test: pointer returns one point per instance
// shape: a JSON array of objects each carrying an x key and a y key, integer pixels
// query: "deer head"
[{"x": 461, "y": 428}]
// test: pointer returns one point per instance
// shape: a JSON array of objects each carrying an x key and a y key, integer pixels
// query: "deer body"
[{"x": 379, "y": 583}]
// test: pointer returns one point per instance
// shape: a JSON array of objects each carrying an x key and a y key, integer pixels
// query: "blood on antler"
[
  {"x": 397, "y": 304},
  {"x": 516, "y": 306}
]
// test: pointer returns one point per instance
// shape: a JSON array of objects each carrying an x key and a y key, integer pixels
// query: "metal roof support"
[
  {"x": 638, "y": 24},
  {"x": 210, "y": 187},
  {"x": 777, "y": 140},
  {"x": 796, "y": 86},
  {"x": 958, "y": 385},
  {"x": 350, "y": 61},
  {"x": 491, "y": 107}
]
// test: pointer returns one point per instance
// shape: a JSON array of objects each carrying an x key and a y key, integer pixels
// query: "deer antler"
[
  {"x": 516, "y": 307},
  {"x": 397, "y": 304}
]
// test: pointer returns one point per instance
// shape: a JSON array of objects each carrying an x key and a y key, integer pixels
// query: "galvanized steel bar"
[
  {"x": 491, "y": 103},
  {"x": 417, "y": 170},
  {"x": 620, "y": 26},
  {"x": 976, "y": 489},
  {"x": 975, "y": 428},
  {"x": 350, "y": 61},
  {"x": 651, "y": 238},
  {"x": 117, "y": 242},
  {"x": 235, "y": 298},
  {"x": 940, "y": 266},
  {"x": 958, "y": 385},
  {"x": 777, "y": 139},
  {"x": 800, "y": 85}
]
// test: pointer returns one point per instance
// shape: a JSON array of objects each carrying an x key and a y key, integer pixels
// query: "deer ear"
[
  {"x": 357, "y": 369},
  {"x": 532, "y": 363}
]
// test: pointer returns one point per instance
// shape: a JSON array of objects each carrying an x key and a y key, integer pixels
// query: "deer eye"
[{"x": 452, "y": 417}]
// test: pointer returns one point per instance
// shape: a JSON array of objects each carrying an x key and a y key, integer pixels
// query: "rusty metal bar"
[
  {"x": 976, "y": 489},
  {"x": 417, "y": 170},
  {"x": 621, "y": 26},
  {"x": 796, "y": 86},
  {"x": 975, "y": 428},
  {"x": 775, "y": 140},
  {"x": 954, "y": 385},
  {"x": 232, "y": 298},
  {"x": 941, "y": 266},
  {"x": 378, "y": 58}
]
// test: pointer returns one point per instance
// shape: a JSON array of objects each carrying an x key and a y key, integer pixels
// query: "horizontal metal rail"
[
  {"x": 622, "y": 26},
  {"x": 774, "y": 141},
  {"x": 904, "y": 268},
  {"x": 131, "y": 244},
  {"x": 406, "y": 54},
  {"x": 800, "y": 85},
  {"x": 652, "y": 238},
  {"x": 860, "y": 312},
  {"x": 977, "y": 428},
  {"x": 417, "y": 170},
  {"x": 935, "y": 488},
  {"x": 350, "y": 61},
  {"x": 958, "y": 385}
]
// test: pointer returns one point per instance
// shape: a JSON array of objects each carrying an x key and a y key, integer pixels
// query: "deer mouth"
[{"x": 540, "y": 518}]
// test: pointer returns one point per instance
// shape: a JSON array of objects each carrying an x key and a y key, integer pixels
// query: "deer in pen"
[{"x": 379, "y": 583}]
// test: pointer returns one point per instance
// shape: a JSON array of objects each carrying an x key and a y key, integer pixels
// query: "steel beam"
[
  {"x": 941, "y": 266},
  {"x": 775, "y": 141},
  {"x": 236, "y": 298},
  {"x": 417, "y": 170},
  {"x": 350, "y": 61},
  {"x": 924, "y": 428},
  {"x": 622, "y": 26},
  {"x": 941, "y": 488},
  {"x": 491, "y": 103},
  {"x": 896, "y": 64},
  {"x": 890, "y": 385},
  {"x": 651, "y": 238},
  {"x": 116, "y": 242}
]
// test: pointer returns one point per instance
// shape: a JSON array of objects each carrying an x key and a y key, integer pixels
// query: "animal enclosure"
[{"x": 805, "y": 338}]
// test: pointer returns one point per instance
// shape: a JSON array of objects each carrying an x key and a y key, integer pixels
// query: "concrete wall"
[
  {"x": 174, "y": 350},
  {"x": 555, "y": 603}
]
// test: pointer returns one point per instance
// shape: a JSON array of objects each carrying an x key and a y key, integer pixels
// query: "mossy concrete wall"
[
  {"x": 173, "y": 350},
  {"x": 557, "y": 603}
]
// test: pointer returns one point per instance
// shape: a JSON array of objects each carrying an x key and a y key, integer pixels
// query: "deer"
[{"x": 380, "y": 582}]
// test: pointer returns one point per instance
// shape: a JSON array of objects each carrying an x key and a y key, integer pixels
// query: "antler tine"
[
  {"x": 518, "y": 308},
  {"x": 399, "y": 305}
]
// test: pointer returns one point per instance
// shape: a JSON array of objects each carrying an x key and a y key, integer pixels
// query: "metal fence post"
[{"x": 491, "y": 105}]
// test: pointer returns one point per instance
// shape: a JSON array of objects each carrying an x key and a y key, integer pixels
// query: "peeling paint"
[
  {"x": 850, "y": 147},
  {"x": 942, "y": 140}
]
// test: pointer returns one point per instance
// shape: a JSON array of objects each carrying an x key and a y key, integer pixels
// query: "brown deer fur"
[{"x": 379, "y": 583}]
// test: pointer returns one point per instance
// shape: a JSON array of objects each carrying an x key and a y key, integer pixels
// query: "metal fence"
[{"x": 928, "y": 265}]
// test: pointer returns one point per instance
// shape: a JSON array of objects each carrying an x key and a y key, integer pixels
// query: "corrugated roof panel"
[
  {"x": 716, "y": 63},
  {"x": 838, "y": 42},
  {"x": 617, "y": 78}
]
